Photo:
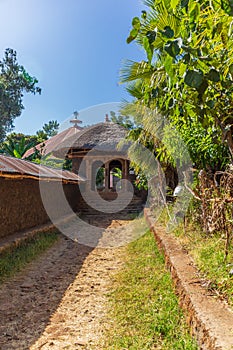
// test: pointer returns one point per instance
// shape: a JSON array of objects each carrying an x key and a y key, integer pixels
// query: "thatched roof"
[{"x": 105, "y": 136}]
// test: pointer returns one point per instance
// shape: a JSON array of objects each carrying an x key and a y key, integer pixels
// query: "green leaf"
[
  {"x": 210, "y": 103},
  {"x": 174, "y": 3},
  {"x": 168, "y": 65},
  {"x": 231, "y": 69},
  {"x": 171, "y": 103},
  {"x": 27, "y": 77},
  {"x": 172, "y": 48},
  {"x": 133, "y": 34},
  {"x": 213, "y": 75},
  {"x": 184, "y": 3},
  {"x": 227, "y": 6},
  {"x": 17, "y": 154},
  {"x": 193, "y": 78},
  {"x": 182, "y": 68},
  {"x": 168, "y": 32},
  {"x": 136, "y": 23},
  {"x": 144, "y": 14},
  {"x": 194, "y": 15},
  {"x": 151, "y": 35},
  {"x": 148, "y": 48}
]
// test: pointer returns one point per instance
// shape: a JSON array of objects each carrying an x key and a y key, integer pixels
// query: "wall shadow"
[{"x": 28, "y": 300}]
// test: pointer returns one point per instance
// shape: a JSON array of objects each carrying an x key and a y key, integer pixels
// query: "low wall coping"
[{"x": 210, "y": 319}]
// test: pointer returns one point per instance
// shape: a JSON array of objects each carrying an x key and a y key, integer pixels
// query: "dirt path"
[{"x": 59, "y": 300}]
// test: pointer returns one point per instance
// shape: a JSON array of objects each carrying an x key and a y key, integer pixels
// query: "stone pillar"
[
  {"x": 88, "y": 173},
  {"x": 125, "y": 172},
  {"x": 107, "y": 177},
  {"x": 75, "y": 165},
  {"x": 77, "y": 168}
]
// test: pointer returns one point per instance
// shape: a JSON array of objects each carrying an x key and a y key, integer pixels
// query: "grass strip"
[
  {"x": 207, "y": 252},
  {"x": 144, "y": 307},
  {"x": 16, "y": 258}
]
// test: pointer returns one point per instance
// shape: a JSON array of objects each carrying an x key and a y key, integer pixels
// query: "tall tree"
[
  {"x": 14, "y": 82},
  {"x": 51, "y": 128},
  {"x": 188, "y": 72}
]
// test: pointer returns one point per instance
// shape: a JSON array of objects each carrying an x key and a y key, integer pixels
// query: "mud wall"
[{"x": 21, "y": 206}]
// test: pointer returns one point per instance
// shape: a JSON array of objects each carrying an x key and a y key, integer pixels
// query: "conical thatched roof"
[{"x": 105, "y": 136}]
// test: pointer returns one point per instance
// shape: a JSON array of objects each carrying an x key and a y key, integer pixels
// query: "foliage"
[
  {"x": 117, "y": 172},
  {"x": 100, "y": 177},
  {"x": 48, "y": 130},
  {"x": 50, "y": 161},
  {"x": 122, "y": 120},
  {"x": 16, "y": 144},
  {"x": 141, "y": 181},
  {"x": 14, "y": 82},
  {"x": 17, "y": 149},
  {"x": 188, "y": 74}
]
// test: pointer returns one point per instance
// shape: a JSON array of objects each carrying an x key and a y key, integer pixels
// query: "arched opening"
[{"x": 115, "y": 173}]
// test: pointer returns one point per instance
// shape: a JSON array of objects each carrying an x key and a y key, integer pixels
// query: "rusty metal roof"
[
  {"x": 49, "y": 145},
  {"x": 22, "y": 168}
]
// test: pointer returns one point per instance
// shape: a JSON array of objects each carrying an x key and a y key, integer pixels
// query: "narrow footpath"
[{"x": 59, "y": 300}]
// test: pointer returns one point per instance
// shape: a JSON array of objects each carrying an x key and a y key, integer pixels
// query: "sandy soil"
[{"x": 60, "y": 300}]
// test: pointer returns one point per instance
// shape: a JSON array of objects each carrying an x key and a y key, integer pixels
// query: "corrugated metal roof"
[
  {"x": 49, "y": 145},
  {"x": 13, "y": 166}
]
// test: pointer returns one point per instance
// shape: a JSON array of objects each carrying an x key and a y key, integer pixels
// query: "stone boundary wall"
[
  {"x": 21, "y": 206},
  {"x": 210, "y": 320}
]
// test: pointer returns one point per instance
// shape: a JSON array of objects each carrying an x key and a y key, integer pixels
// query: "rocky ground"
[{"x": 59, "y": 300}]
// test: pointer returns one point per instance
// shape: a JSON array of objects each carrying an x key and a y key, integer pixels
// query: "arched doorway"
[{"x": 115, "y": 173}]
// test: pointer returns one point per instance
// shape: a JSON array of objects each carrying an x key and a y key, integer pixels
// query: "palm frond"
[
  {"x": 149, "y": 3},
  {"x": 135, "y": 89},
  {"x": 135, "y": 70}
]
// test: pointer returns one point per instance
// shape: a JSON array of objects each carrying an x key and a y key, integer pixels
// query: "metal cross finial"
[{"x": 75, "y": 120}]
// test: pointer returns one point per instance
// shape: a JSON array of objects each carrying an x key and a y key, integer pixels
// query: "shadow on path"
[{"x": 28, "y": 300}]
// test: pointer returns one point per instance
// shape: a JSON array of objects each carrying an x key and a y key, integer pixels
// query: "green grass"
[
  {"x": 208, "y": 254},
  {"x": 15, "y": 259},
  {"x": 144, "y": 307}
]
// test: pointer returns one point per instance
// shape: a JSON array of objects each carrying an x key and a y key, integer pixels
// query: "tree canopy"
[
  {"x": 16, "y": 144},
  {"x": 14, "y": 82},
  {"x": 187, "y": 75},
  {"x": 49, "y": 129}
]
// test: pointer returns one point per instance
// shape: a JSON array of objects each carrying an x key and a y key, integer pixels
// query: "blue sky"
[{"x": 75, "y": 48}]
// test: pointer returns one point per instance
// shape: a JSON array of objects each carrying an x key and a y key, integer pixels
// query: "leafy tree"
[
  {"x": 188, "y": 73},
  {"x": 41, "y": 136},
  {"x": 14, "y": 82},
  {"x": 16, "y": 144},
  {"x": 51, "y": 129},
  {"x": 17, "y": 149},
  {"x": 122, "y": 120},
  {"x": 16, "y": 137}
]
